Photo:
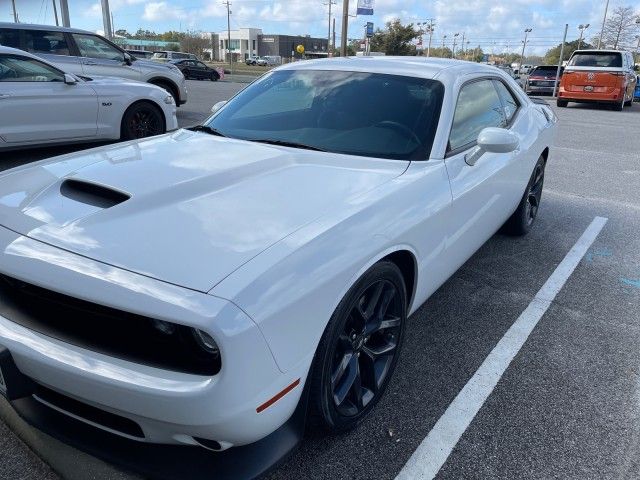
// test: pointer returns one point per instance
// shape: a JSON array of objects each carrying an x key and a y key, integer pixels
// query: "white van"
[{"x": 167, "y": 55}]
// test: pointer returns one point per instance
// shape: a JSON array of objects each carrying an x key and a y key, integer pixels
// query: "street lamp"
[
  {"x": 453, "y": 52},
  {"x": 527, "y": 31},
  {"x": 582, "y": 28}
]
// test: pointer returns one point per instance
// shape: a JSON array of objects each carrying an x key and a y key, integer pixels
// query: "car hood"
[{"x": 186, "y": 208}]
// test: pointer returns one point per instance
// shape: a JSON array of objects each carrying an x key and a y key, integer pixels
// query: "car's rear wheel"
[
  {"x": 142, "y": 120},
  {"x": 214, "y": 77},
  {"x": 359, "y": 349},
  {"x": 561, "y": 103},
  {"x": 525, "y": 215}
]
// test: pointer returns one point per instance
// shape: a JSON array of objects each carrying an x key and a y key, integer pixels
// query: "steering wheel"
[{"x": 399, "y": 127}]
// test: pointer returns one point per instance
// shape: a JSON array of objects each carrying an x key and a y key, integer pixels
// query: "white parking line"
[{"x": 434, "y": 450}]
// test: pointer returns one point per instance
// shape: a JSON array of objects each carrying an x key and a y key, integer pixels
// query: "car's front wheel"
[
  {"x": 141, "y": 120},
  {"x": 359, "y": 349}
]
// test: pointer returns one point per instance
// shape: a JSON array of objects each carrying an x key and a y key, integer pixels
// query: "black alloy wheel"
[
  {"x": 142, "y": 120},
  {"x": 534, "y": 195},
  {"x": 359, "y": 350},
  {"x": 527, "y": 211}
]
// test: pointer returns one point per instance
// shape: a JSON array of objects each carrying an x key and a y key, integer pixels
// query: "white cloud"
[{"x": 157, "y": 11}]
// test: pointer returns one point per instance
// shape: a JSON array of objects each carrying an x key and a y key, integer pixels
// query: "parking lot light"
[{"x": 582, "y": 28}]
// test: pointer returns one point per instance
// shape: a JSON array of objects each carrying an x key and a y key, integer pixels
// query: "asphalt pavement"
[{"x": 567, "y": 406}]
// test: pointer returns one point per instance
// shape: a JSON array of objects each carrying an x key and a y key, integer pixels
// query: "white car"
[
  {"x": 42, "y": 105},
  {"x": 204, "y": 285}
]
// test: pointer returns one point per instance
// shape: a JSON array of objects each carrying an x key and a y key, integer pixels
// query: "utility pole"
[
  {"x": 55, "y": 12},
  {"x": 64, "y": 12},
  {"x": 444, "y": 37},
  {"x": 430, "y": 31},
  {"x": 15, "y": 13},
  {"x": 564, "y": 40},
  {"x": 331, "y": 2},
  {"x": 106, "y": 19},
  {"x": 453, "y": 52},
  {"x": 334, "y": 34},
  {"x": 604, "y": 20},
  {"x": 345, "y": 28},
  {"x": 527, "y": 31},
  {"x": 582, "y": 28},
  {"x": 228, "y": 4},
  {"x": 462, "y": 44}
]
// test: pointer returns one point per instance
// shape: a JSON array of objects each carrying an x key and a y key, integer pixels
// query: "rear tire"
[
  {"x": 525, "y": 215},
  {"x": 562, "y": 103},
  {"x": 142, "y": 120},
  {"x": 214, "y": 77},
  {"x": 358, "y": 351}
]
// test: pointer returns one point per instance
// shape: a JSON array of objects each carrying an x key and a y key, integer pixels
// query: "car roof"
[
  {"x": 424, "y": 67},
  {"x": 595, "y": 50},
  {"x": 33, "y": 26}
]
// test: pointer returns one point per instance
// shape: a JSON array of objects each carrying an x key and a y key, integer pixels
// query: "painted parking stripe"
[{"x": 434, "y": 450}]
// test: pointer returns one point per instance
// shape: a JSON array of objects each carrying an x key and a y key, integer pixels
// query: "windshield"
[
  {"x": 369, "y": 114},
  {"x": 596, "y": 59}
]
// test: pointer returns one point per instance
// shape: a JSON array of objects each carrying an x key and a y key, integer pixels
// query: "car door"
[
  {"x": 486, "y": 193},
  {"x": 36, "y": 105},
  {"x": 203, "y": 70},
  {"x": 100, "y": 58}
]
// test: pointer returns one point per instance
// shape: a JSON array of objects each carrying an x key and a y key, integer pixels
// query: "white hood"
[{"x": 187, "y": 208}]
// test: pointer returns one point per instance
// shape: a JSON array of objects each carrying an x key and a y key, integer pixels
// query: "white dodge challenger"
[
  {"x": 200, "y": 287},
  {"x": 43, "y": 105}
]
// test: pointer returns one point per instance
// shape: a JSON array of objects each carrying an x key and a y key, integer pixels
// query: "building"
[
  {"x": 244, "y": 43},
  {"x": 285, "y": 46}
]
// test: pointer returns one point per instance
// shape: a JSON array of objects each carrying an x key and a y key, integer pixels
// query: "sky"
[{"x": 495, "y": 25}]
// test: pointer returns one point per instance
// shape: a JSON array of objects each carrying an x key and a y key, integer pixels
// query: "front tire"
[
  {"x": 141, "y": 120},
  {"x": 359, "y": 350},
  {"x": 525, "y": 215}
]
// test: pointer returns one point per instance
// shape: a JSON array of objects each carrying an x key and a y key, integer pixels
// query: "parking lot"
[{"x": 567, "y": 406}]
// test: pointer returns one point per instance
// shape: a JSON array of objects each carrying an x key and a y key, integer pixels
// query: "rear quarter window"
[{"x": 9, "y": 38}]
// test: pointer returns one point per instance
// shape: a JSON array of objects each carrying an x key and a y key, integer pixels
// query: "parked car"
[
  {"x": 256, "y": 61},
  {"x": 542, "y": 79},
  {"x": 217, "y": 284},
  {"x": 599, "y": 76},
  {"x": 168, "y": 55},
  {"x": 41, "y": 104},
  {"x": 140, "y": 53},
  {"x": 509, "y": 71},
  {"x": 196, "y": 69},
  {"x": 85, "y": 53}
]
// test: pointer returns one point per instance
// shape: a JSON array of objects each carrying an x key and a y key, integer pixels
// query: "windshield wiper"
[
  {"x": 285, "y": 143},
  {"x": 207, "y": 129}
]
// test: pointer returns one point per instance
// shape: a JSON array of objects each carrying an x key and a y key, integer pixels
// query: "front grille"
[
  {"x": 90, "y": 413},
  {"x": 103, "y": 329}
]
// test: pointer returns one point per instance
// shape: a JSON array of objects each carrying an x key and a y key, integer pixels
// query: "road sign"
[{"x": 369, "y": 29}]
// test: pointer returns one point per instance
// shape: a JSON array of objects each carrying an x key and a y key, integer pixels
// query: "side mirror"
[
  {"x": 493, "y": 140},
  {"x": 70, "y": 79},
  {"x": 218, "y": 106},
  {"x": 127, "y": 59}
]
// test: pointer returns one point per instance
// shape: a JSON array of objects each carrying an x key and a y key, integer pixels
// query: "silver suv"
[{"x": 85, "y": 53}]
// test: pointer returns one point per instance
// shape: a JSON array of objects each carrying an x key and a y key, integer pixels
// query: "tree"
[
  {"x": 620, "y": 29},
  {"x": 193, "y": 42},
  {"x": 123, "y": 33},
  {"x": 441, "y": 52},
  {"x": 553, "y": 55},
  {"x": 395, "y": 39}
]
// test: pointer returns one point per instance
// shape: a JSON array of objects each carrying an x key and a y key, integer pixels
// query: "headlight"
[
  {"x": 206, "y": 342},
  {"x": 169, "y": 100}
]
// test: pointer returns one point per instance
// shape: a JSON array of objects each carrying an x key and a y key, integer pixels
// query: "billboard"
[{"x": 365, "y": 7}]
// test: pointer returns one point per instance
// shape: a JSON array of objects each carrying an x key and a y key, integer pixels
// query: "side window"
[
  {"x": 510, "y": 103},
  {"x": 93, "y": 46},
  {"x": 14, "y": 68},
  {"x": 201, "y": 65},
  {"x": 42, "y": 41},
  {"x": 478, "y": 107},
  {"x": 10, "y": 37}
]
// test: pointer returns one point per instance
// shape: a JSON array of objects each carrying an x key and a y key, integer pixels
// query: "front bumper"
[{"x": 170, "y": 407}]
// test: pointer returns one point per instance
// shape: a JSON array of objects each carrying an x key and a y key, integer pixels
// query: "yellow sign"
[{"x": 300, "y": 49}]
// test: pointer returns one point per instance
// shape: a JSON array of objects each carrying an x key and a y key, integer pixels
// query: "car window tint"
[
  {"x": 14, "y": 68},
  {"x": 478, "y": 107},
  {"x": 43, "y": 41},
  {"x": 508, "y": 101},
  {"x": 93, "y": 46},
  {"x": 201, "y": 65},
  {"x": 597, "y": 59},
  {"x": 9, "y": 38}
]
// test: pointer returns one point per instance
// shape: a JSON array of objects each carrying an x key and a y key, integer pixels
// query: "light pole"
[
  {"x": 15, "y": 13},
  {"x": 331, "y": 2},
  {"x": 582, "y": 28},
  {"x": 345, "y": 28},
  {"x": 453, "y": 52},
  {"x": 527, "y": 31},
  {"x": 444, "y": 37},
  {"x": 604, "y": 19}
]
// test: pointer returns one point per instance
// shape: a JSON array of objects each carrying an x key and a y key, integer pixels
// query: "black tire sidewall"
[
  {"x": 124, "y": 129},
  {"x": 321, "y": 402}
]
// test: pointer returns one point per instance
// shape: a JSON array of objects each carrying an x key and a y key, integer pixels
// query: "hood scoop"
[{"x": 92, "y": 194}]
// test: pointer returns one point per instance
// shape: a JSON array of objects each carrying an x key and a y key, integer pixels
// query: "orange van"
[{"x": 600, "y": 76}]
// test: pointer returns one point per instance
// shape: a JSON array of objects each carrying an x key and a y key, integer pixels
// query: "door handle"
[
  {"x": 4, "y": 95},
  {"x": 89, "y": 62}
]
